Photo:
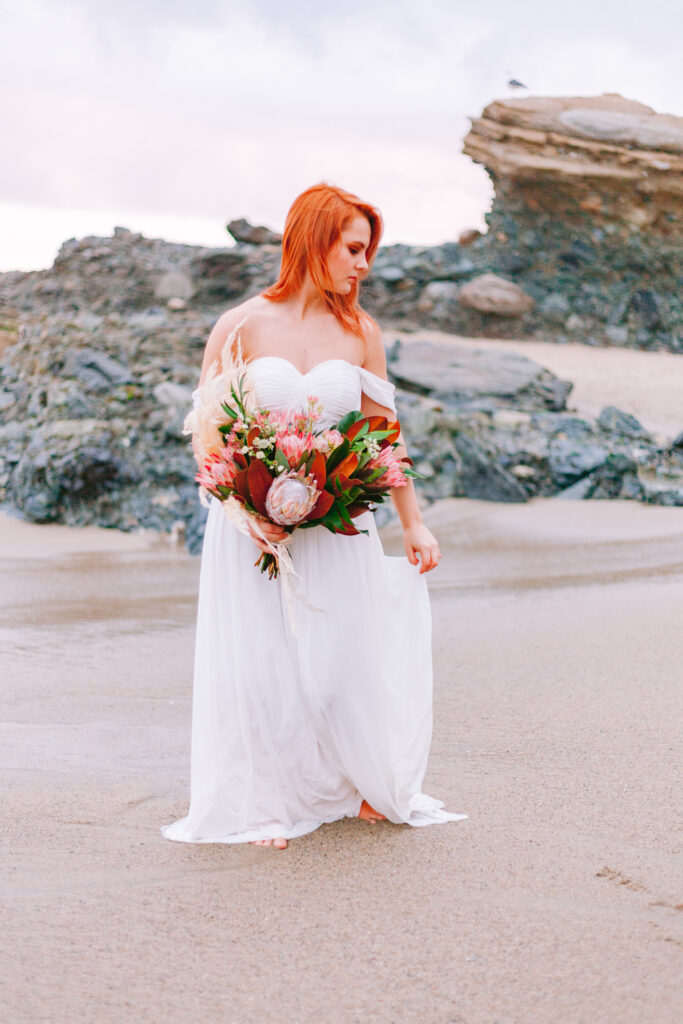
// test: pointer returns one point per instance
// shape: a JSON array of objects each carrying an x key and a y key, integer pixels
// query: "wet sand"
[
  {"x": 649, "y": 385},
  {"x": 558, "y": 651}
]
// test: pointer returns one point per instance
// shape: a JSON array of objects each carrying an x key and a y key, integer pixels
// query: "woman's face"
[{"x": 346, "y": 260}]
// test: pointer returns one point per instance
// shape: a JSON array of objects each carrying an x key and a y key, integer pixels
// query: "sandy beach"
[{"x": 558, "y": 653}]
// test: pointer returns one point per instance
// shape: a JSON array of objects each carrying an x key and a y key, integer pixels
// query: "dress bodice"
[{"x": 336, "y": 383}]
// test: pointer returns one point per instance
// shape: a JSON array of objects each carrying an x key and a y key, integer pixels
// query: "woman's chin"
[{"x": 344, "y": 288}]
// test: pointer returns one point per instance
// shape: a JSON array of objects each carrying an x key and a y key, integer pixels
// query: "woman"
[{"x": 293, "y": 730}]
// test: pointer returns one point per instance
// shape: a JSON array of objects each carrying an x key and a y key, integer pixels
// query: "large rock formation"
[{"x": 587, "y": 216}]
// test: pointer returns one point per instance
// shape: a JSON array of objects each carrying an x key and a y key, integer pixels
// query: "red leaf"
[
  {"x": 239, "y": 458},
  {"x": 355, "y": 508},
  {"x": 317, "y": 469},
  {"x": 339, "y": 481},
  {"x": 377, "y": 423},
  {"x": 259, "y": 480},
  {"x": 241, "y": 485},
  {"x": 395, "y": 429},
  {"x": 253, "y": 433},
  {"x": 322, "y": 506},
  {"x": 347, "y": 465},
  {"x": 355, "y": 427},
  {"x": 348, "y": 530}
]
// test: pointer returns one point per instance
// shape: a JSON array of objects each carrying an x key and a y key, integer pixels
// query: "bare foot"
[
  {"x": 368, "y": 813},
  {"x": 280, "y": 843}
]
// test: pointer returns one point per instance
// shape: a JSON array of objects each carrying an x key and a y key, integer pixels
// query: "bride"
[{"x": 292, "y": 729}]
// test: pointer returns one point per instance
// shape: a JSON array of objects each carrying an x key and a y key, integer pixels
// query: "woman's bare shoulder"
[
  {"x": 375, "y": 359},
  {"x": 225, "y": 325},
  {"x": 228, "y": 320}
]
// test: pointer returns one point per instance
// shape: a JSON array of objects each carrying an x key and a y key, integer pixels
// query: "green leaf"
[
  {"x": 333, "y": 519},
  {"x": 337, "y": 454},
  {"x": 281, "y": 459},
  {"x": 346, "y": 421},
  {"x": 362, "y": 431},
  {"x": 344, "y": 515}
]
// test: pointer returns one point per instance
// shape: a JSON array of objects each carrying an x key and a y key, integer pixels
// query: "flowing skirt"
[{"x": 290, "y": 732}]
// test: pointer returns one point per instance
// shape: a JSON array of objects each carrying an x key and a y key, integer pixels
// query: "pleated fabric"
[{"x": 290, "y": 732}]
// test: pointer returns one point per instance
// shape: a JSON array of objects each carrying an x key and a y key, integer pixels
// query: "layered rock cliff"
[{"x": 587, "y": 216}]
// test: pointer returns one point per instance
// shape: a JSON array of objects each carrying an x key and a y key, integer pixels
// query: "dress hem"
[{"x": 416, "y": 820}]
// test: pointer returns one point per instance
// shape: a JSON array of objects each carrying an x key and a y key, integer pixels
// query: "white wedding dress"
[{"x": 290, "y": 732}]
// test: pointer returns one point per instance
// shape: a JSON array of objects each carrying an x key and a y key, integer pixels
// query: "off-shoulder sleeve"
[{"x": 379, "y": 390}]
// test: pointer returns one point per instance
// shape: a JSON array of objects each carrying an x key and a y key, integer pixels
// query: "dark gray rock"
[
  {"x": 243, "y": 230},
  {"x": 568, "y": 462},
  {"x": 95, "y": 370},
  {"x": 646, "y": 309},
  {"x": 620, "y": 422},
  {"x": 609, "y": 478},
  {"x": 555, "y": 307},
  {"x": 480, "y": 477},
  {"x": 459, "y": 374}
]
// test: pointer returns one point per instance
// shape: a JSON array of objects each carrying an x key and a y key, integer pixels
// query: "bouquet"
[{"x": 278, "y": 466}]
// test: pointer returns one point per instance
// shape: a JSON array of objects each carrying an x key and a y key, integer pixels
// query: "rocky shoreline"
[
  {"x": 92, "y": 407},
  {"x": 99, "y": 353}
]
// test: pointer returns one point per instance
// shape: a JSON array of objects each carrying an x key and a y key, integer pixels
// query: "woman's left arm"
[{"x": 418, "y": 540}]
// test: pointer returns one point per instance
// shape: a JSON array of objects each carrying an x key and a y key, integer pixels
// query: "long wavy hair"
[{"x": 313, "y": 226}]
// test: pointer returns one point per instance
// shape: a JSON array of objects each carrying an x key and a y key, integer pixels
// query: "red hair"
[{"x": 313, "y": 226}]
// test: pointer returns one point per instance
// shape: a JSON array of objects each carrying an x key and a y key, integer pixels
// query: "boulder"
[
  {"x": 459, "y": 374},
  {"x": 489, "y": 293},
  {"x": 243, "y": 230},
  {"x": 622, "y": 423}
]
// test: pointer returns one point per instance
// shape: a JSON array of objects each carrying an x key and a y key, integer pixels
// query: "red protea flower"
[
  {"x": 218, "y": 470},
  {"x": 394, "y": 475},
  {"x": 293, "y": 446}
]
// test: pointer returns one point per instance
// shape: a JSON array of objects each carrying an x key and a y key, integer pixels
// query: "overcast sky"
[{"x": 172, "y": 117}]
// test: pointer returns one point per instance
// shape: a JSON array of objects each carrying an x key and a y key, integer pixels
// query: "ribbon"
[{"x": 241, "y": 519}]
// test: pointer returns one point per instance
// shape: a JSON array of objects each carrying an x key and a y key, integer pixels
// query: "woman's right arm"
[{"x": 214, "y": 346}]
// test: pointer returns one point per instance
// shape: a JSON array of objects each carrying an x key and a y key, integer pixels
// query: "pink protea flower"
[
  {"x": 394, "y": 476},
  {"x": 293, "y": 446},
  {"x": 217, "y": 469},
  {"x": 291, "y": 497}
]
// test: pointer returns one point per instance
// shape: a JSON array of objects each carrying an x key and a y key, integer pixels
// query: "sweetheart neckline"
[{"x": 323, "y": 362}]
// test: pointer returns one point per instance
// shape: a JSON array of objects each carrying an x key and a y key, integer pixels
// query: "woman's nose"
[{"x": 362, "y": 263}]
